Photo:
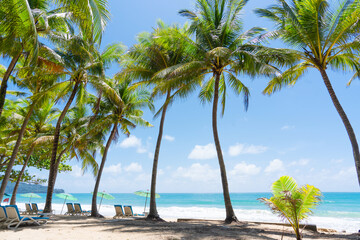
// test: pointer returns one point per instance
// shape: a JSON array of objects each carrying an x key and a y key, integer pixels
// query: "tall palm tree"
[
  {"x": 321, "y": 38},
  {"x": 224, "y": 52},
  {"x": 84, "y": 65},
  {"x": 40, "y": 136},
  {"x": 35, "y": 83},
  {"x": 120, "y": 110},
  {"x": 145, "y": 63}
]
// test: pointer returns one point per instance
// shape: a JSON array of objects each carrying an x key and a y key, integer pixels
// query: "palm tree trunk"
[
  {"x": 53, "y": 165},
  {"x": 5, "y": 80},
  {"x": 153, "y": 213},
  {"x": 345, "y": 120},
  {"x": 13, "y": 197},
  {"x": 230, "y": 215},
  {"x": 94, "y": 212},
  {"x": 14, "y": 153}
]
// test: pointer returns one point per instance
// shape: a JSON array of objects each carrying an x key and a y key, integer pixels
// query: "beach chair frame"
[
  {"x": 28, "y": 209},
  {"x": 35, "y": 208},
  {"x": 3, "y": 216},
  {"x": 70, "y": 209},
  {"x": 15, "y": 220},
  {"x": 78, "y": 210},
  {"x": 119, "y": 212},
  {"x": 130, "y": 213}
]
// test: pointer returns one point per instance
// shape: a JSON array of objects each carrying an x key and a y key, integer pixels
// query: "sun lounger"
[
  {"x": 118, "y": 211},
  {"x": 3, "y": 216},
  {"x": 35, "y": 208},
  {"x": 78, "y": 210},
  {"x": 14, "y": 218},
  {"x": 28, "y": 209},
  {"x": 70, "y": 209},
  {"x": 129, "y": 212}
]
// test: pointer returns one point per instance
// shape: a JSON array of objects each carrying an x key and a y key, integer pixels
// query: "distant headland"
[{"x": 26, "y": 188}]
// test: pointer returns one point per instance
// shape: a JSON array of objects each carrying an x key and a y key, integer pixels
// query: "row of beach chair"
[
  {"x": 75, "y": 209},
  {"x": 10, "y": 217},
  {"x": 127, "y": 212},
  {"x": 32, "y": 209}
]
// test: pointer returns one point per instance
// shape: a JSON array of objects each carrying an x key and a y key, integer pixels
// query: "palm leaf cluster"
[
  {"x": 292, "y": 203},
  {"x": 68, "y": 108}
]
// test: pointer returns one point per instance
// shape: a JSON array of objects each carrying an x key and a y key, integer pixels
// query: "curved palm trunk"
[
  {"x": 153, "y": 213},
  {"x": 13, "y": 197},
  {"x": 230, "y": 215},
  {"x": 94, "y": 212},
  {"x": 345, "y": 120},
  {"x": 53, "y": 162},
  {"x": 5, "y": 80},
  {"x": 14, "y": 153}
]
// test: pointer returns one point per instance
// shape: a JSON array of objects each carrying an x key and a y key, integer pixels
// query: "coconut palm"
[
  {"x": 223, "y": 51},
  {"x": 35, "y": 83},
  {"x": 321, "y": 38},
  {"x": 146, "y": 61},
  {"x": 84, "y": 65},
  {"x": 40, "y": 129},
  {"x": 119, "y": 111},
  {"x": 292, "y": 203}
]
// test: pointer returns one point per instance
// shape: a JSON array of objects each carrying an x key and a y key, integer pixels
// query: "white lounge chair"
[
  {"x": 118, "y": 211},
  {"x": 78, "y": 210},
  {"x": 129, "y": 212},
  {"x": 70, "y": 209},
  {"x": 14, "y": 218}
]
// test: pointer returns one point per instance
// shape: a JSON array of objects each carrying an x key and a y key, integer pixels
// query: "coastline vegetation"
[{"x": 67, "y": 107}]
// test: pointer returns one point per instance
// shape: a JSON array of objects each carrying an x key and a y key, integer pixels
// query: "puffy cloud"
[
  {"x": 203, "y": 152},
  {"x": 169, "y": 138},
  {"x": 133, "y": 142},
  {"x": 301, "y": 162},
  {"x": 198, "y": 173},
  {"x": 239, "y": 148},
  {"x": 275, "y": 165},
  {"x": 134, "y": 167},
  {"x": 113, "y": 168},
  {"x": 244, "y": 169}
]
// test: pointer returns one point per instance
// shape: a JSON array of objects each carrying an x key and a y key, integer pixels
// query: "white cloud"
[
  {"x": 198, "y": 173},
  {"x": 76, "y": 171},
  {"x": 113, "y": 168},
  {"x": 134, "y": 167},
  {"x": 243, "y": 168},
  {"x": 169, "y": 138},
  {"x": 134, "y": 142},
  {"x": 287, "y": 127},
  {"x": 301, "y": 162},
  {"x": 275, "y": 165},
  {"x": 239, "y": 148},
  {"x": 203, "y": 152}
]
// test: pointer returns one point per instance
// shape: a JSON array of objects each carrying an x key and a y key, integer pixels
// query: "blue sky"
[{"x": 295, "y": 132}]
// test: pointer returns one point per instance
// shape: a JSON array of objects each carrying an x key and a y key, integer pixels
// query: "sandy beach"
[{"x": 79, "y": 227}]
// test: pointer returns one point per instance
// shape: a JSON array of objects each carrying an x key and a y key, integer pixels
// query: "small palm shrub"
[{"x": 292, "y": 203}]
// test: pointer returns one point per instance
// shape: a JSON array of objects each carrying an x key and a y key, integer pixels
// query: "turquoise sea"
[{"x": 340, "y": 211}]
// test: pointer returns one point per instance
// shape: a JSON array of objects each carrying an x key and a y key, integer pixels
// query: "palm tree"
[
  {"x": 84, "y": 65},
  {"x": 291, "y": 202},
  {"x": 35, "y": 83},
  {"x": 40, "y": 136},
  {"x": 320, "y": 38},
  {"x": 120, "y": 110},
  {"x": 146, "y": 61},
  {"x": 223, "y": 51}
]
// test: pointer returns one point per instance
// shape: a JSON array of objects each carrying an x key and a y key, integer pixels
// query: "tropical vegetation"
[
  {"x": 58, "y": 102},
  {"x": 292, "y": 203}
]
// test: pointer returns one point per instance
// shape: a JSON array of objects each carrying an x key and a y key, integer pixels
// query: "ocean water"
[{"x": 339, "y": 211}]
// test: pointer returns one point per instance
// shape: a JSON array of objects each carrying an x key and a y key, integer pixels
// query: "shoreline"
[
  {"x": 349, "y": 225},
  {"x": 81, "y": 227}
]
